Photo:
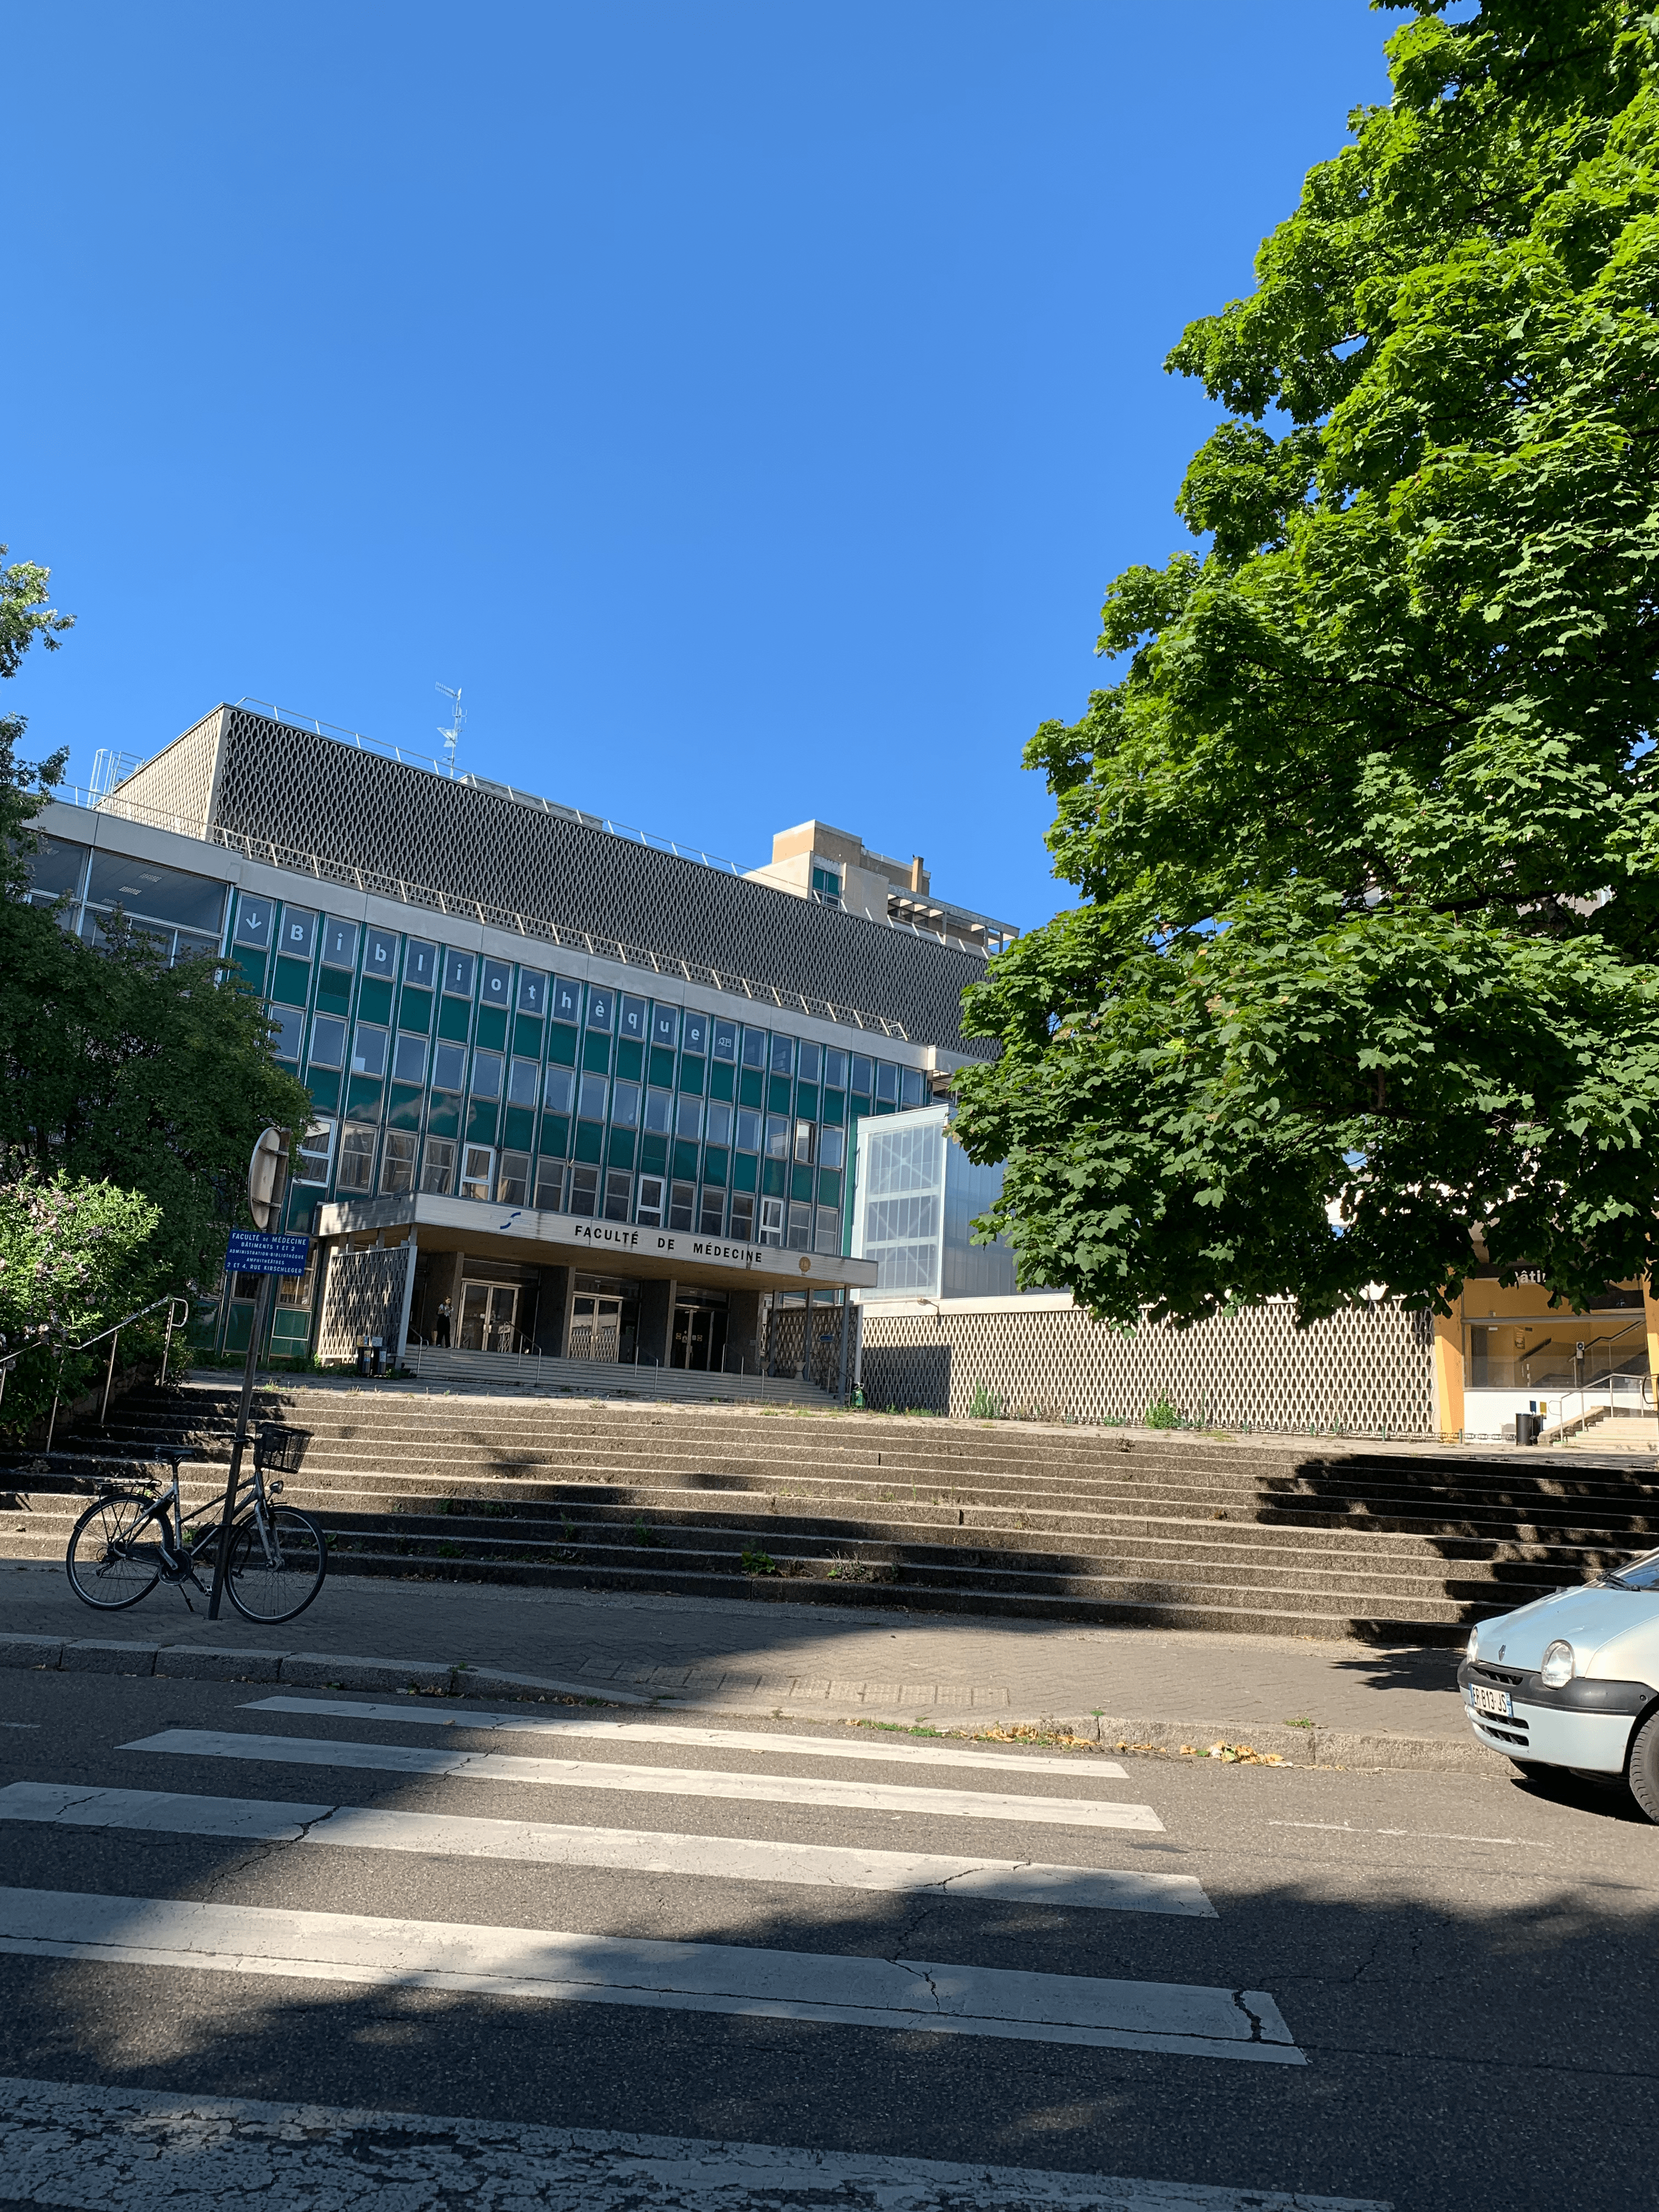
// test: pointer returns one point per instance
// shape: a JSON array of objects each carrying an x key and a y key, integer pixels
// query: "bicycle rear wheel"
[
  {"x": 105, "y": 1569},
  {"x": 275, "y": 1573}
]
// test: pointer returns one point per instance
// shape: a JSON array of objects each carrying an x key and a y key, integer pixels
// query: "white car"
[{"x": 1573, "y": 1680}]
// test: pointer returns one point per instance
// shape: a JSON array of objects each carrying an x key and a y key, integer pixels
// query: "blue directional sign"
[{"x": 251, "y": 1253}]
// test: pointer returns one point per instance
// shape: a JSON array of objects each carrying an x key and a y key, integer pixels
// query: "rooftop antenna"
[{"x": 451, "y": 736}]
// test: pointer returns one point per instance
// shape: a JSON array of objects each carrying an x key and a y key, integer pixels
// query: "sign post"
[{"x": 250, "y": 1252}]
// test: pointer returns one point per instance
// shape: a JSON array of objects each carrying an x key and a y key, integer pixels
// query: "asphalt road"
[{"x": 959, "y": 1976}]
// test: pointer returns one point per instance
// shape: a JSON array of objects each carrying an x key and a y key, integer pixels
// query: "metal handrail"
[{"x": 65, "y": 1352}]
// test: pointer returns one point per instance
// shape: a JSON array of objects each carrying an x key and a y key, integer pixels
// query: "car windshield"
[{"x": 1640, "y": 1574}]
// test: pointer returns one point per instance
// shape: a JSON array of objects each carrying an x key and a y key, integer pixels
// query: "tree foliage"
[
  {"x": 130, "y": 1092},
  {"x": 1368, "y": 828}
]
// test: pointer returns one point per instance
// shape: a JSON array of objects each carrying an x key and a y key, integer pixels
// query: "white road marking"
[
  {"x": 416, "y": 1713},
  {"x": 904, "y": 1994},
  {"x": 655, "y": 1781},
  {"x": 721, "y": 1857},
  {"x": 89, "y": 2146},
  {"x": 1420, "y": 1835}
]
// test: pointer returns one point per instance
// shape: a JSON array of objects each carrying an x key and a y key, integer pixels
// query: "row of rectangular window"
[
  {"x": 664, "y": 1025},
  {"x": 450, "y": 1167}
]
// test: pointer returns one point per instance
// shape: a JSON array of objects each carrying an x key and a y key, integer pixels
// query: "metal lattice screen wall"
[
  {"x": 297, "y": 789},
  {"x": 362, "y": 1296},
  {"x": 1366, "y": 1372}
]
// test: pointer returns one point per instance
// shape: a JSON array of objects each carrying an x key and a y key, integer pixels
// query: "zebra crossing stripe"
[
  {"x": 90, "y": 2146},
  {"x": 1084, "y": 1767},
  {"x": 812, "y": 1790},
  {"x": 909, "y": 1995},
  {"x": 721, "y": 1857}
]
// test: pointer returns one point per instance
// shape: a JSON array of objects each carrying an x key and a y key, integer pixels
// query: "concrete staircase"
[{"x": 1181, "y": 1530}]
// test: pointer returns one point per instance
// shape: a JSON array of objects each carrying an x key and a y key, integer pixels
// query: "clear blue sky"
[{"x": 746, "y": 403}]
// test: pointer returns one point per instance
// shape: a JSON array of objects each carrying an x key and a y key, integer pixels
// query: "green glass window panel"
[
  {"x": 290, "y": 1330},
  {"x": 885, "y": 1106},
  {"x": 291, "y": 986},
  {"x": 743, "y": 1173},
  {"x": 685, "y": 1160},
  {"x": 415, "y": 1010},
  {"x": 364, "y": 1094},
  {"x": 860, "y": 1104},
  {"x": 324, "y": 1085},
  {"x": 748, "y": 1086},
  {"x": 630, "y": 1059},
  {"x": 527, "y": 1036},
  {"x": 800, "y": 1182},
  {"x": 556, "y": 1135},
  {"x": 482, "y": 1117},
  {"x": 806, "y": 1101},
  {"x": 835, "y": 1106},
  {"x": 590, "y": 1137},
  {"x": 403, "y": 1105},
  {"x": 444, "y": 1118},
  {"x": 519, "y": 1129},
  {"x": 373, "y": 999},
  {"x": 654, "y": 1155},
  {"x": 239, "y": 1327},
  {"x": 774, "y": 1178},
  {"x": 662, "y": 1067},
  {"x": 333, "y": 991},
  {"x": 779, "y": 1090},
  {"x": 621, "y": 1151},
  {"x": 722, "y": 1080},
  {"x": 454, "y": 1018},
  {"x": 492, "y": 1028},
  {"x": 596, "y": 1052},
  {"x": 252, "y": 966},
  {"x": 828, "y": 1186},
  {"x": 561, "y": 1045},
  {"x": 692, "y": 1071},
  {"x": 716, "y": 1164}
]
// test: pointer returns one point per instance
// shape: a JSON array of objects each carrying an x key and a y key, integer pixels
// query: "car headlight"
[
  {"x": 1474, "y": 1652},
  {"x": 1556, "y": 1670}
]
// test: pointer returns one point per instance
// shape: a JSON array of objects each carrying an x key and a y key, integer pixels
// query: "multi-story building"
[{"x": 576, "y": 1090}]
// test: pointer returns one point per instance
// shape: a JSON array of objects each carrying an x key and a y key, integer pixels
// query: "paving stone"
[{"x": 31, "y": 1650}]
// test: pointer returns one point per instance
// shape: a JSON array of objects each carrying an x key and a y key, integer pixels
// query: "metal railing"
[
  {"x": 294, "y": 861},
  {"x": 1585, "y": 1404},
  {"x": 66, "y": 1352}
]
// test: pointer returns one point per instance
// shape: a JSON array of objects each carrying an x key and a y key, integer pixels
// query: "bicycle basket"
[{"x": 279, "y": 1450}]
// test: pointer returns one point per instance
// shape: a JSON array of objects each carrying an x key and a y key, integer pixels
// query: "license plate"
[{"x": 1492, "y": 1701}]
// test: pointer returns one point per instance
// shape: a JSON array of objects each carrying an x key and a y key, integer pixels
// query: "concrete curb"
[{"x": 431, "y": 1677}]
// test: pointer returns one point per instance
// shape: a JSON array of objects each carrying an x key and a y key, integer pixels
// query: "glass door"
[
  {"x": 699, "y": 1338},
  {"x": 595, "y": 1327},
  {"x": 489, "y": 1315}
]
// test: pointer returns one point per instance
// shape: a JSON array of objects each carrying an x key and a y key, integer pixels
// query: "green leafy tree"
[
  {"x": 1368, "y": 828},
  {"x": 72, "y": 1255},
  {"x": 130, "y": 1092}
]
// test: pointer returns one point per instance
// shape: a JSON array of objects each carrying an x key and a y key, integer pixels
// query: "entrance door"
[
  {"x": 595, "y": 1327},
  {"x": 699, "y": 1338},
  {"x": 490, "y": 1317}
]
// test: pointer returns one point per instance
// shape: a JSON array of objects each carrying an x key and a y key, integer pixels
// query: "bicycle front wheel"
[
  {"x": 107, "y": 1568},
  {"x": 277, "y": 1564}
]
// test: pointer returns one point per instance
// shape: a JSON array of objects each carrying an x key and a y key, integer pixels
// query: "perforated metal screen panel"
[{"x": 293, "y": 787}]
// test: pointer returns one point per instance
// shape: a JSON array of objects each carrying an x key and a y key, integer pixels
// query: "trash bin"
[{"x": 1528, "y": 1428}]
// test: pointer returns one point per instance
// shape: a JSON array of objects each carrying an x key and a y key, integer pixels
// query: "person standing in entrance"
[{"x": 444, "y": 1310}]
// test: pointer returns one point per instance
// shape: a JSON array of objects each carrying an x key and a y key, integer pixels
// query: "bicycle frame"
[{"x": 179, "y": 1557}]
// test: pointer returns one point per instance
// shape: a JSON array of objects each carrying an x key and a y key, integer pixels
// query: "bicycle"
[{"x": 129, "y": 1540}]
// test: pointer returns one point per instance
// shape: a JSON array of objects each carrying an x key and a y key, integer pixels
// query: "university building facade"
[{"x": 598, "y": 1094}]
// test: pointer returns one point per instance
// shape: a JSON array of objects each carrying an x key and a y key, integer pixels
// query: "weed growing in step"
[
  {"x": 759, "y": 1563},
  {"x": 897, "y": 1728},
  {"x": 643, "y": 1533}
]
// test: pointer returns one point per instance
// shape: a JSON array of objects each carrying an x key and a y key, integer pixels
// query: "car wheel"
[{"x": 1642, "y": 1772}]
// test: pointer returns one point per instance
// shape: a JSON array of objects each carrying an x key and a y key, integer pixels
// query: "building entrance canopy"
[{"x": 568, "y": 1240}]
